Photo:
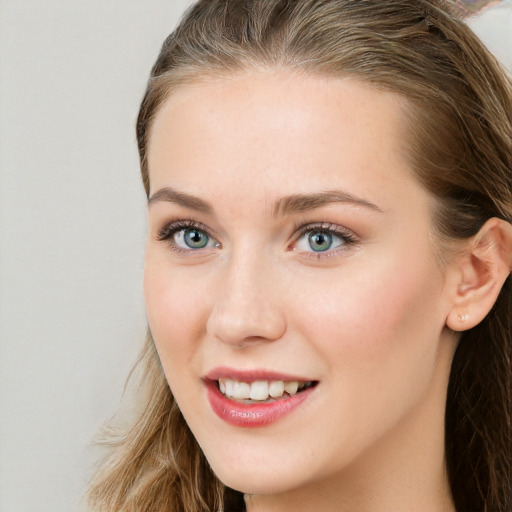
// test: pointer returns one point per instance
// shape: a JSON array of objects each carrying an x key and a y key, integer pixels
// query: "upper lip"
[{"x": 223, "y": 372}]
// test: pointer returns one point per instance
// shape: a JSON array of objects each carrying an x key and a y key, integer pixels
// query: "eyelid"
[
  {"x": 176, "y": 224},
  {"x": 172, "y": 227},
  {"x": 348, "y": 236}
]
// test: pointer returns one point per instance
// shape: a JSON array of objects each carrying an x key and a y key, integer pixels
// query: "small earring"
[{"x": 462, "y": 317}]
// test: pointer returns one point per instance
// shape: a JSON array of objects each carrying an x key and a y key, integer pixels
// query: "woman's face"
[{"x": 289, "y": 244}]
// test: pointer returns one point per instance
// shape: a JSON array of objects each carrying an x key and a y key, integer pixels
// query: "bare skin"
[{"x": 364, "y": 317}]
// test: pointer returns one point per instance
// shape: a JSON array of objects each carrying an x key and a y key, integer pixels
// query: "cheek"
[
  {"x": 378, "y": 334},
  {"x": 177, "y": 324},
  {"x": 377, "y": 322},
  {"x": 173, "y": 312}
]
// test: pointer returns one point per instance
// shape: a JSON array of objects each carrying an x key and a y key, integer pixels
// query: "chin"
[
  {"x": 251, "y": 484},
  {"x": 258, "y": 480}
]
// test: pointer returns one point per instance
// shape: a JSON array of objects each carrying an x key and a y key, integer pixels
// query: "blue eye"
[
  {"x": 322, "y": 239},
  {"x": 193, "y": 238},
  {"x": 187, "y": 237},
  {"x": 319, "y": 241}
]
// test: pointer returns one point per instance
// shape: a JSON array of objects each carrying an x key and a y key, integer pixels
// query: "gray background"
[{"x": 72, "y": 227}]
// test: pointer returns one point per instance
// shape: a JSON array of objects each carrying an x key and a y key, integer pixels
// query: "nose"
[{"x": 247, "y": 308}]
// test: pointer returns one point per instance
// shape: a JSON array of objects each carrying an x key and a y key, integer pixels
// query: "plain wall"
[
  {"x": 72, "y": 228},
  {"x": 72, "y": 221}
]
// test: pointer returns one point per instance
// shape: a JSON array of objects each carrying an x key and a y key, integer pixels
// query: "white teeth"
[
  {"x": 276, "y": 388},
  {"x": 242, "y": 390},
  {"x": 291, "y": 387},
  {"x": 259, "y": 390},
  {"x": 229, "y": 385}
]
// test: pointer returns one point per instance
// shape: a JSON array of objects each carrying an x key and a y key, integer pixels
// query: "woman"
[{"x": 327, "y": 275}]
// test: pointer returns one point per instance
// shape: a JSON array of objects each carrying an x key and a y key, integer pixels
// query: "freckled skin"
[{"x": 367, "y": 321}]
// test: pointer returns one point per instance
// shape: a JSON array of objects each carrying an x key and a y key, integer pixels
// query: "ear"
[{"x": 482, "y": 268}]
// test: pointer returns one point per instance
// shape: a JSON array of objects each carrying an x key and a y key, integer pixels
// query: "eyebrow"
[
  {"x": 288, "y": 205},
  {"x": 298, "y": 203},
  {"x": 170, "y": 195}
]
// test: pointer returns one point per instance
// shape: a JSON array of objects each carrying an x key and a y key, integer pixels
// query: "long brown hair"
[{"x": 459, "y": 148}]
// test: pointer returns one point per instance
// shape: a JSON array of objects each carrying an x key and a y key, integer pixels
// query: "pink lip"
[
  {"x": 251, "y": 375},
  {"x": 251, "y": 415}
]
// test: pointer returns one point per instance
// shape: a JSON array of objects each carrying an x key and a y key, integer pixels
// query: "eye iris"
[
  {"x": 320, "y": 241},
  {"x": 195, "y": 239}
]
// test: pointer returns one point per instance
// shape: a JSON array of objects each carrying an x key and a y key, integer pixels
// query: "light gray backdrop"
[{"x": 72, "y": 227}]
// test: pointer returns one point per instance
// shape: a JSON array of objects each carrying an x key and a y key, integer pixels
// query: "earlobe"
[{"x": 483, "y": 267}]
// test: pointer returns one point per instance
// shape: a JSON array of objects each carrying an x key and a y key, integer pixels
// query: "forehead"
[{"x": 275, "y": 132}]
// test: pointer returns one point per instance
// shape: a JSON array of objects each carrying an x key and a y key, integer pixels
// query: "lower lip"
[{"x": 252, "y": 415}]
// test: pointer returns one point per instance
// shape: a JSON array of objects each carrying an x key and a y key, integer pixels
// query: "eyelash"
[
  {"x": 346, "y": 236},
  {"x": 167, "y": 233}
]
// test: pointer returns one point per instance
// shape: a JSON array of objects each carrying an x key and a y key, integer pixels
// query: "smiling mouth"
[{"x": 261, "y": 391}]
